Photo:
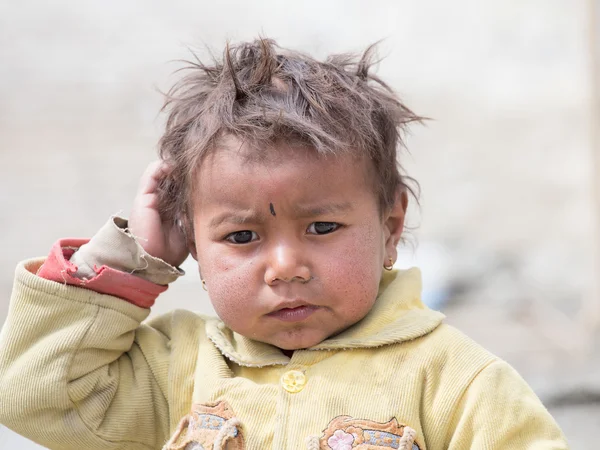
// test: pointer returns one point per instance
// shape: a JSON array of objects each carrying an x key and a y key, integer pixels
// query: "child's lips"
[{"x": 294, "y": 314}]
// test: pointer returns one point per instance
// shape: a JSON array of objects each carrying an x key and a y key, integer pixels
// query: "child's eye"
[
  {"x": 322, "y": 227},
  {"x": 241, "y": 237}
]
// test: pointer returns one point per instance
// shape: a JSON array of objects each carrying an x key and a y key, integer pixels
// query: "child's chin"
[{"x": 297, "y": 341}]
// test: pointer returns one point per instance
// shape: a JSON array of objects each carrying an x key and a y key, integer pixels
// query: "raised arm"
[{"x": 77, "y": 370}]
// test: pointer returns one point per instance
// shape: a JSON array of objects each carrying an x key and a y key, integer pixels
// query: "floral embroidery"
[
  {"x": 347, "y": 433},
  {"x": 211, "y": 426},
  {"x": 340, "y": 440}
]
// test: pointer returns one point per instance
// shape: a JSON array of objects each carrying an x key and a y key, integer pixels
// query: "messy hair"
[{"x": 262, "y": 94}]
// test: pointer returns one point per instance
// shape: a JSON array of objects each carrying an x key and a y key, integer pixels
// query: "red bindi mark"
[{"x": 272, "y": 209}]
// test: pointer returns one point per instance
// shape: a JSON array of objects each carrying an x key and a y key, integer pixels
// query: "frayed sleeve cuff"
[{"x": 112, "y": 263}]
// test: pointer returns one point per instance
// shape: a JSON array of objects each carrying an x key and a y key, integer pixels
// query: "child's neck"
[{"x": 288, "y": 353}]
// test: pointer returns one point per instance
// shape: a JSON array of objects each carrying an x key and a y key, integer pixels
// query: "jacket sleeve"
[
  {"x": 112, "y": 262},
  {"x": 500, "y": 411},
  {"x": 76, "y": 370}
]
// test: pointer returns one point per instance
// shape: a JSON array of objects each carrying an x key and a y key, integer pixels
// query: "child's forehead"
[{"x": 233, "y": 163}]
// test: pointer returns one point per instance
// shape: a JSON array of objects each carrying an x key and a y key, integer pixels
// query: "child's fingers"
[{"x": 154, "y": 173}]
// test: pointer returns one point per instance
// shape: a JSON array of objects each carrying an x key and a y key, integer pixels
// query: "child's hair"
[{"x": 262, "y": 94}]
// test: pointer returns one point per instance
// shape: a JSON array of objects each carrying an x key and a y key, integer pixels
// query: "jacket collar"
[{"x": 398, "y": 315}]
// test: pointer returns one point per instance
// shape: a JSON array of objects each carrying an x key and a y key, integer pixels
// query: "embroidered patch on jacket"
[
  {"x": 208, "y": 427},
  {"x": 346, "y": 433}
]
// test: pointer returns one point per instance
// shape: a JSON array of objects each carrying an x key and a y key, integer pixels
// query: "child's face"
[{"x": 291, "y": 247}]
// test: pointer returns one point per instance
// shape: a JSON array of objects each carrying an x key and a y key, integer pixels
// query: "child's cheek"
[
  {"x": 231, "y": 282},
  {"x": 354, "y": 270}
]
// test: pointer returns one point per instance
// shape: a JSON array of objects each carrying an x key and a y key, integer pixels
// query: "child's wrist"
[{"x": 115, "y": 247}]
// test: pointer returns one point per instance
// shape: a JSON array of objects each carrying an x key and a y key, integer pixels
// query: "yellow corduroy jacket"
[{"x": 78, "y": 370}]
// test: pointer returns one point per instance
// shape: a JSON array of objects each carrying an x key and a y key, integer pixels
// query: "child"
[{"x": 278, "y": 173}]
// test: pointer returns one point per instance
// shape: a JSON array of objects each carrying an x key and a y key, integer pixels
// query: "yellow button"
[{"x": 293, "y": 381}]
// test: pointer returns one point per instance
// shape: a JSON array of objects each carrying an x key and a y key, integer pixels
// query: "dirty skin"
[{"x": 272, "y": 209}]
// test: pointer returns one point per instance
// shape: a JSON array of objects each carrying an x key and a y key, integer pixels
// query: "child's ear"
[
  {"x": 188, "y": 232},
  {"x": 394, "y": 226},
  {"x": 192, "y": 249}
]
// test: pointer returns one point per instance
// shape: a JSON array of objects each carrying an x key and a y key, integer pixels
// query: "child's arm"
[
  {"x": 77, "y": 370},
  {"x": 500, "y": 411},
  {"x": 73, "y": 368}
]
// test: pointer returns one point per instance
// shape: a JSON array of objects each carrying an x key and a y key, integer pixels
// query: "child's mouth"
[{"x": 296, "y": 314}]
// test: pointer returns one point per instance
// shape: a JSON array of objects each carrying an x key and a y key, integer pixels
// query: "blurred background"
[{"x": 507, "y": 234}]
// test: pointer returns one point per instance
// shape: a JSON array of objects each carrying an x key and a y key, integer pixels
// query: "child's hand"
[{"x": 160, "y": 239}]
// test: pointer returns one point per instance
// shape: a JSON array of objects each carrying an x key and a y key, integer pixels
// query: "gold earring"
[
  {"x": 391, "y": 266},
  {"x": 204, "y": 285}
]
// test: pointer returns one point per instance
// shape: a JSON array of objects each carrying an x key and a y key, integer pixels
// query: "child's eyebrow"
[
  {"x": 236, "y": 218},
  {"x": 301, "y": 211},
  {"x": 241, "y": 217}
]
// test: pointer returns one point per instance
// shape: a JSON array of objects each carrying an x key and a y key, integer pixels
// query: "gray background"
[{"x": 505, "y": 231}]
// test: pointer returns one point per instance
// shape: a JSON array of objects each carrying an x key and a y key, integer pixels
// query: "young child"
[{"x": 278, "y": 174}]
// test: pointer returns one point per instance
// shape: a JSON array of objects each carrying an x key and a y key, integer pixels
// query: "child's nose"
[{"x": 286, "y": 263}]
